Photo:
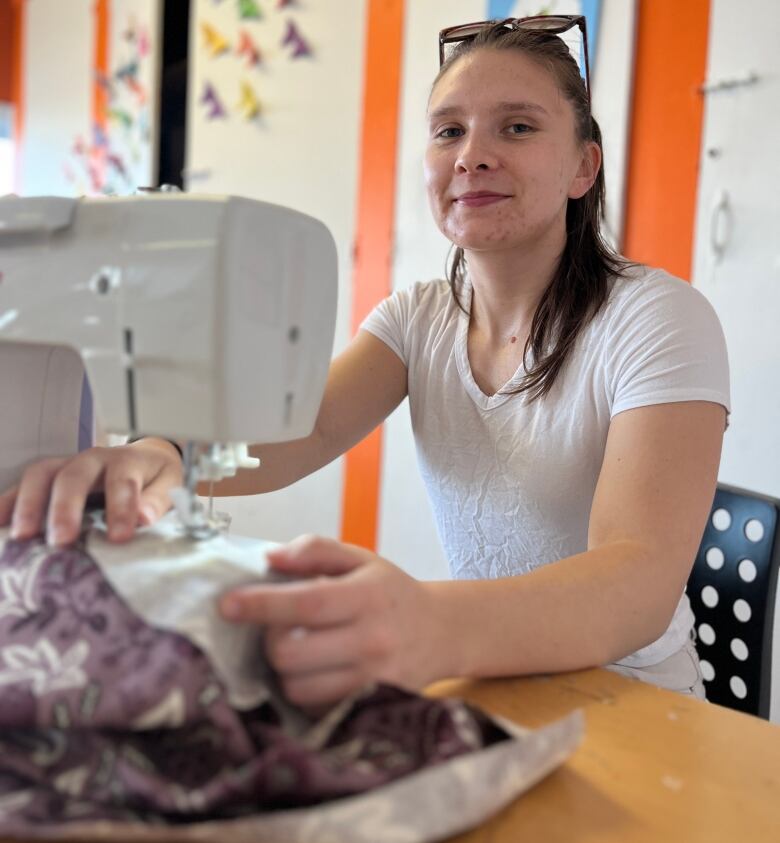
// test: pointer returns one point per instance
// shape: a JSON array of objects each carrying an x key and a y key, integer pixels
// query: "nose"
[{"x": 475, "y": 154}]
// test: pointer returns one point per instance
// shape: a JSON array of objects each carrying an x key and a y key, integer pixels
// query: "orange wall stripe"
[
  {"x": 666, "y": 131},
  {"x": 6, "y": 50},
  {"x": 18, "y": 12},
  {"x": 102, "y": 13},
  {"x": 372, "y": 271},
  {"x": 99, "y": 93}
]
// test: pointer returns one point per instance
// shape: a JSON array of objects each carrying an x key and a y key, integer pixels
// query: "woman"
[{"x": 568, "y": 409}]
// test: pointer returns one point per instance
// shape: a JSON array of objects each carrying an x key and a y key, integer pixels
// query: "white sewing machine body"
[{"x": 202, "y": 318}]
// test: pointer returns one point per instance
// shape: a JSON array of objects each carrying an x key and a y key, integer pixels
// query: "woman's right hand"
[{"x": 136, "y": 480}]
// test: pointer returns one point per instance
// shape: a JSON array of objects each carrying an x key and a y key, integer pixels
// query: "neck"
[{"x": 507, "y": 288}]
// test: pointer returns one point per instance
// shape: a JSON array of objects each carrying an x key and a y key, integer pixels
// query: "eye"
[
  {"x": 449, "y": 132},
  {"x": 519, "y": 129}
]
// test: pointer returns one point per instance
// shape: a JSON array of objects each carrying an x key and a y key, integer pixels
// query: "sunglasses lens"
[
  {"x": 460, "y": 33},
  {"x": 548, "y": 22}
]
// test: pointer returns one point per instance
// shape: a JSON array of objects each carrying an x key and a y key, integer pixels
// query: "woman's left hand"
[{"x": 356, "y": 618}]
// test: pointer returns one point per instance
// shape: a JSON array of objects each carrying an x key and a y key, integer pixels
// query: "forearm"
[
  {"x": 365, "y": 384},
  {"x": 281, "y": 464},
  {"x": 583, "y": 611}
]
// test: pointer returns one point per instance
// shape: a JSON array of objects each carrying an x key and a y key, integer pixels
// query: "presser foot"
[
  {"x": 193, "y": 516},
  {"x": 209, "y": 463}
]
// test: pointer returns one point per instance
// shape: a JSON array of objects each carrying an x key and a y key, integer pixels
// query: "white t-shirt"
[{"x": 511, "y": 481}]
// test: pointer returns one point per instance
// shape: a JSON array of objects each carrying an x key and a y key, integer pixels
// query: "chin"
[{"x": 484, "y": 243}]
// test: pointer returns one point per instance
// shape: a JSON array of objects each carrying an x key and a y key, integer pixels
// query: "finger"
[
  {"x": 300, "y": 650},
  {"x": 312, "y": 555},
  {"x": 122, "y": 485},
  {"x": 156, "y": 495},
  {"x": 155, "y": 501},
  {"x": 32, "y": 498},
  {"x": 323, "y": 687},
  {"x": 7, "y": 501},
  {"x": 69, "y": 493},
  {"x": 313, "y": 603}
]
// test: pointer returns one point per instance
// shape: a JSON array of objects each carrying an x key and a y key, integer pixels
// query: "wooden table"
[{"x": 654, "y": 765}]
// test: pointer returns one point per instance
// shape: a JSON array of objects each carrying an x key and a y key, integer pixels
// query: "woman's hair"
[{"x": 580, "y": 283}]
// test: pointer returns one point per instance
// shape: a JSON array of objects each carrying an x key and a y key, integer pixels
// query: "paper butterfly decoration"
[
  {"x": 293, "y": 38},
  {"x": 136, "y": 87},
  {"x": 105, "y": 83},
  {"x": 248, "y": 9},
  {"x": 128, "y": 70},
  {"x": 210, "y": 98},
  {"x": 249, "y": 105},
  {"x": 143, "y": 43},
  {"x": 99, "y": 137},
  {"x": 129, "y": 73},
  {"x": 118, "y": 164},
  {"x": 248, "y": 48},
  {"x": 215, "y": 42},
  {"x": 121, "y": 116}
]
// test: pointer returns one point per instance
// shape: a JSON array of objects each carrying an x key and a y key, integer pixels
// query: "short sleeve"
[
  {"x": 390, "y": 320},
  {"x": 665, "y": 345}
]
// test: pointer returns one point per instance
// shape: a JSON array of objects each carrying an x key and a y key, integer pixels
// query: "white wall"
[
  {"x": 57, "y": 79},
  {"x": 613, "y": 77},
  {"x": 137, "y": 144},
  {"x": 59, "y": 53},
  {"x": 740, "y": 165},
  {"x": 737, "y": 256},
  {"x": 302, "y": 152}
]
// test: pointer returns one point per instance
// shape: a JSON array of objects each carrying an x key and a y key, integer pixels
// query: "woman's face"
[{"x": 503, "y": 158}]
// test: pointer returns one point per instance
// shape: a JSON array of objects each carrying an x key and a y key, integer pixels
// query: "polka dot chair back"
[{"x": 732, "y": 591}]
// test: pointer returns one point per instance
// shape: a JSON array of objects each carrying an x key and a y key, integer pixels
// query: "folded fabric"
[{"x": 125, "y": 702}]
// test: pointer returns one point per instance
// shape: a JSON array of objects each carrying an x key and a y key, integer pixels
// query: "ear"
[{"x": 587, "y": 171}]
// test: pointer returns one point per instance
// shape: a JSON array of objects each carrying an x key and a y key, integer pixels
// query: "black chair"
[{"x": 732, "y": 591}]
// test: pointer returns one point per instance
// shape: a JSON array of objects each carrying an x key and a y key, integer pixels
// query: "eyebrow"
[{"x": 450, "y": 110}]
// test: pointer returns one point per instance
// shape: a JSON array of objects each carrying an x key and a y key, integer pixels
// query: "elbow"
[{"x": 641, "y": 629}]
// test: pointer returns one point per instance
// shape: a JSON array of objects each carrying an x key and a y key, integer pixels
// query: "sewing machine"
[{"x": 204, "y": 319}]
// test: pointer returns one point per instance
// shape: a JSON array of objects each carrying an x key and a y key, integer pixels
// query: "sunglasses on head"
[{"x": 552, "y": 24}]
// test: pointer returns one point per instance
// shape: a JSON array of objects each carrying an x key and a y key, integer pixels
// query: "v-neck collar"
[{"x": 483, "y": 401}]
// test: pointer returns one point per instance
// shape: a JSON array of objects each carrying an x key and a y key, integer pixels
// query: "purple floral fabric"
[{"x": 104, "y": 717}]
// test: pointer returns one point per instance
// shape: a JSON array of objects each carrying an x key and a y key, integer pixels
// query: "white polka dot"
[
  {"x": 709, "y": 596},
  {"x": 721, "y": 519},
  {"x": 742, "y": 610},
  {"x": 738, "y": 687},
  {"x": 739, "y": 648},
  {"x": 707, "y": 670},
  {"x": 754, "y": 530},
  {"x": 747, "y": 570},
  {"x": 715, "y": 558},
  {"x": 706, "y": 634}
]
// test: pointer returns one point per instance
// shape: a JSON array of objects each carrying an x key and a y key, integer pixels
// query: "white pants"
[{"x": 680, "y": 672}]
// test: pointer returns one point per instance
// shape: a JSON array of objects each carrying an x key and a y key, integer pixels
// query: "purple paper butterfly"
[
  {"x": 211, "y": 99},
  {"x": 300, "y": 46}
]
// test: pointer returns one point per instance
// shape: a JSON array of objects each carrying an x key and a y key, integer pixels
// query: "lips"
[{"x": 478, "y": 198}]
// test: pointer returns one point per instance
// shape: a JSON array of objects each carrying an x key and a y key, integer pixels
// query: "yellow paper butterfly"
[
  {"x": 216, "y": 43},
  {"x": 249, "y": 106}
]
